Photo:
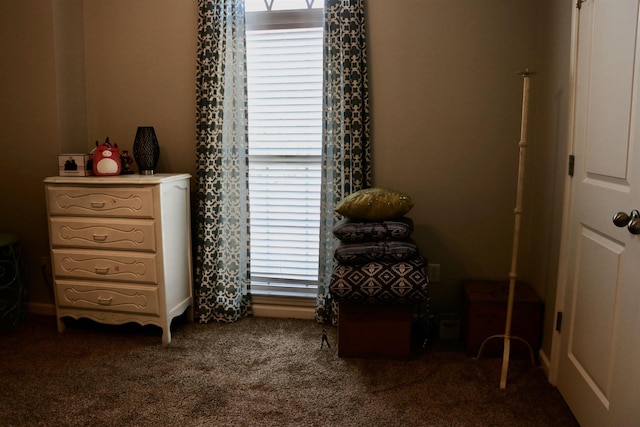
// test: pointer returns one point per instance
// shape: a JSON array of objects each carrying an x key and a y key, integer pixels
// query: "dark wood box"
[
  {"x": 485, "y": 314},
  {"x": 374, "y": 331}
]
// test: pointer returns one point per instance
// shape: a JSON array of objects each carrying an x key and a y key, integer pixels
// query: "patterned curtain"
[
  {"x": 222, "y": 191},
  {"x": 346, "y": 148}
]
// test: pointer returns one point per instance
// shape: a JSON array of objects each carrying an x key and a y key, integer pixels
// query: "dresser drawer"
[
  {"x": 95, "y": 233},
  {"x": 129, "y": 202},
  {"x": 102, "y": 265},
  {"x": 107, "y": 297}
]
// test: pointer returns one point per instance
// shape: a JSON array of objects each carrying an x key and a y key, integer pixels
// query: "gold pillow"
[{"x": 375, "y": 204}]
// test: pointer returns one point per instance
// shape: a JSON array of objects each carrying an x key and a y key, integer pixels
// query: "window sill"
[
  {"x": 282, "y": 298},
  {"x": 266, "y": 304}
]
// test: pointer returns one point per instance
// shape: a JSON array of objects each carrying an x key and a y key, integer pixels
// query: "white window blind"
[{"x": 284, "y": 67}]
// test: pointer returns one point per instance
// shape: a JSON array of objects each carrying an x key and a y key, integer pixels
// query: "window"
[{"x": 284, "y": 67}]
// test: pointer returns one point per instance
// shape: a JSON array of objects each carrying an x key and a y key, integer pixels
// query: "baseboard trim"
[
  {"x": 544, "y": 362},
  {"x": 283, "y": 311},
  {"x": 259, "y": 310},
  {"x": 41, "y": 308}
]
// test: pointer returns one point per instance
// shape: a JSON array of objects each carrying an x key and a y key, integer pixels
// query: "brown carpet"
[{"x": 256, "y": 372}]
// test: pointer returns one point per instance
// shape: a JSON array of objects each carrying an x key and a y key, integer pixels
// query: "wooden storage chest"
[
  {"x": 374, "y": 331},
  {"x": 485, "y": 312}
]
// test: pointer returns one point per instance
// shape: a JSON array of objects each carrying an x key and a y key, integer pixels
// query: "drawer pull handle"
[
  {"x": 99, "y": 237},
  {"x": 104, "y": 300},
  {"x": 102, "y": 270},
  {"x": 97, "y": 205}
]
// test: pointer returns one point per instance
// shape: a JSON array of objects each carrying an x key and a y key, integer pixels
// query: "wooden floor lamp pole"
[{"x": 516, "y": 239}]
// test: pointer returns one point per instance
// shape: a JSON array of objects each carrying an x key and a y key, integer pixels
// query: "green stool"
[{"x": 13, "y": 282}]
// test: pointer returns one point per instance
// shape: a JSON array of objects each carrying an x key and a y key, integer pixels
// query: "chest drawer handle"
[
  {"x": 97, "y": 205},
  {"x": 102, "y": 270},
  {"x": 104, "y": 300},
  {"x": 99, "y": 237}
]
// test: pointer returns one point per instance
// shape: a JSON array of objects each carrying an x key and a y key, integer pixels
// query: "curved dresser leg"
[{"x": 166, "y": 334}]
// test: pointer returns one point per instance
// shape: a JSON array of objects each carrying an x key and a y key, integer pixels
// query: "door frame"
[{"x": 563, "y": 265}]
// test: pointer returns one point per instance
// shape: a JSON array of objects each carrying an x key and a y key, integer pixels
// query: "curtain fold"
[
  {"x": 346, "y": 153},
  {"x": 222, "y": 163}
]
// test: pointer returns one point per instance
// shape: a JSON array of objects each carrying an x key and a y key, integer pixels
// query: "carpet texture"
[{"x": 256, "y": 372}]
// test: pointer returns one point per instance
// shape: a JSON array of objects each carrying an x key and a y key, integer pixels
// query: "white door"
[{"x": 599, "y": 364}]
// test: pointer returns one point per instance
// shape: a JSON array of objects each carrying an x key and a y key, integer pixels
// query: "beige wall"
[
  {"x": 141, "y": 71},
  {"x": 68, "y": 29},
  {"x": 29, "y": 133},
  {"x": 446, "y": 108},
  {"x": 446, "y": 125},
  {"x": 445, "y": 103}
]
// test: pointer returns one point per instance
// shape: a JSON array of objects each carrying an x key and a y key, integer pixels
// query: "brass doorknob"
[
  {"x": 632, "y": 222},
  {"x": 621, "y": 219}
]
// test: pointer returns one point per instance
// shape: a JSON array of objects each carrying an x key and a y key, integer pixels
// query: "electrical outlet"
[{"x": 433, "y": 271}]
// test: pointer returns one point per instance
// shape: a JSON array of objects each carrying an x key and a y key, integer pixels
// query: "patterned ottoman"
[{"x": 381, "y": 282}]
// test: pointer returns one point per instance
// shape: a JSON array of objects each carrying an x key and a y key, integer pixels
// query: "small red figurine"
[{"x": 106, "y": 159}]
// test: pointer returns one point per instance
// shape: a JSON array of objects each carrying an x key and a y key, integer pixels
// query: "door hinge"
[
  {"x": 579, "y": 3},
  {"x": 572, "y": 161},
  {"x": 559, "y": 321}
]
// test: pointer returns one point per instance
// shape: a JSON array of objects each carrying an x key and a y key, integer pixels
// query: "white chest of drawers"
[{"x": 121, "y": 248}]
